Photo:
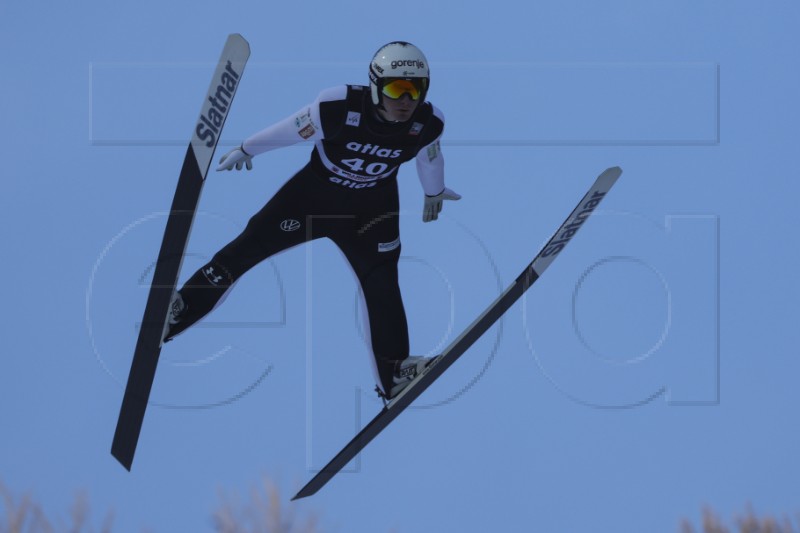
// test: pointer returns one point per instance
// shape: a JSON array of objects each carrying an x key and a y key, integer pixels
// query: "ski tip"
[
  {"x": 610, "y": 174},
  {"x": 239, "y": 37}
]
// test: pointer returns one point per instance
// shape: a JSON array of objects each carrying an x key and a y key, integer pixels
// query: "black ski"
[
  {"x": 204, "y": 141},
  {"x": 437, "y": 367}
]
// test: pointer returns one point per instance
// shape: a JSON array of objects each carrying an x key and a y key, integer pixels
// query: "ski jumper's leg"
[
  {"x": 279, "y": 225},
  {"x": 372, "y": 247}
]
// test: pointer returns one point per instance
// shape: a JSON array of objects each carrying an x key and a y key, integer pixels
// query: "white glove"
[
  {"x": 433, "y": 204},
  {"x": 235, "y": 158}
]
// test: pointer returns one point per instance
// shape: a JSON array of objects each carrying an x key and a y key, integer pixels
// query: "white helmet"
[{"x": 398, "y": 60}]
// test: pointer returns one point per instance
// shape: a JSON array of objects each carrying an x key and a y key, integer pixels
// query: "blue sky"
[{"x": 651, "y": 370}]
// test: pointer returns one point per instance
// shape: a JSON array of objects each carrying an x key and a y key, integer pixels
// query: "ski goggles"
[{"x": 397, "y": 87}]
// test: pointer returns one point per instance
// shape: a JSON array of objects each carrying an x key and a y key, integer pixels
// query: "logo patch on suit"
[
  {"x": 433, "y": 151},
  {"x": 389, "y": 246},
  {"x": 353, "y": 118},
  {"x": 212, "y": 276},
  {"x": 290, "y": 224},
  {"x": 305, "y": 126}
]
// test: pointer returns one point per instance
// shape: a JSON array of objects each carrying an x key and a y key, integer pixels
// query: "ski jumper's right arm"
[{"x": 304, "y": 125}]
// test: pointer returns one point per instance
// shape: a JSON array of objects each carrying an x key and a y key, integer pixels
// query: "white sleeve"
[
  {"x": 430, "y": 164},
  {"x": 303, "y": 125}
]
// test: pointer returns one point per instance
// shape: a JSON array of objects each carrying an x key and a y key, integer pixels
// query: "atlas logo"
[
  {"x": 290, "y": 224},
  {"x": 373, "y": 149},
  {"x": 350, "y": 184},
  {"x": 213, "y": 116},
  {"x": 571, "y": 227}
]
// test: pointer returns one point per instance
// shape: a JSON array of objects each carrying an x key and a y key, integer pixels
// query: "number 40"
[{"x": 357, "y": 165}]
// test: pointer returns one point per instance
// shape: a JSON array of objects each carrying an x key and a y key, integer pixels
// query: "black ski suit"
[{"x": 348, "y": 193}]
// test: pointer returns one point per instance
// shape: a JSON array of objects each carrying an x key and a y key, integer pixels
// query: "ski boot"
[
  {"x": 177, "y": 309},
  {"x": 404, "y": 373}
]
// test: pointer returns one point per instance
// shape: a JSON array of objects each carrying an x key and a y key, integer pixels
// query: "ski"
[
  {"x": 472, "y": 333},
  {"x": 208, "y": 128}
]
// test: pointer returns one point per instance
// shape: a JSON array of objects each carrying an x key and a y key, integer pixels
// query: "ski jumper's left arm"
[
  {"x": 430, "y": 169},
  {"x": 430, "y": 162}
]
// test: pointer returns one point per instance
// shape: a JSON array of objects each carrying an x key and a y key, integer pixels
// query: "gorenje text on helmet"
[{"x": 408, "y": 63}]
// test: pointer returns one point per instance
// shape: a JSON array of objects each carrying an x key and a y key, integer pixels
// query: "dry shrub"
[
  {"x": 23, "y": 515},
  {"x": 746, "y": 523},
  {"x": 262, "y": 512}
]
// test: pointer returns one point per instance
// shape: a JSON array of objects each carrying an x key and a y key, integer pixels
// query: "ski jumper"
[{"x": 348, "y": 193}]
